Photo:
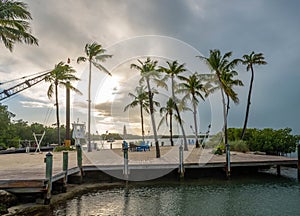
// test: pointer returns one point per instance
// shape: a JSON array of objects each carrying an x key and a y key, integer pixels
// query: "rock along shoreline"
[{"x": 73, "y": 190}]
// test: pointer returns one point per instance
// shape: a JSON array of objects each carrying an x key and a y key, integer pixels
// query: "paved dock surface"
[{"x": 30, "y": 166}]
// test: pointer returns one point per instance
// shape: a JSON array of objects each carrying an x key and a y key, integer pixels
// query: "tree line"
[
  {"x": 268, "y": 140},
  {"x": 18, "y": 133}
]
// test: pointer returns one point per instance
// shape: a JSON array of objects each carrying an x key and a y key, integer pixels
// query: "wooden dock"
[{"x": 26, "y": 172}]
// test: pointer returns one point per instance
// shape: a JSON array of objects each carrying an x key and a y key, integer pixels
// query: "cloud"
[{"x": 270, "y": 27}]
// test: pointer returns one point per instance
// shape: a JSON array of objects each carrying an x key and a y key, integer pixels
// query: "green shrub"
[
  {"x": 239, "y": 146},
  {"x": 63, "y": 148},
  {"x": 3, "y": 146},
  {"x": 219, "y": 149}
]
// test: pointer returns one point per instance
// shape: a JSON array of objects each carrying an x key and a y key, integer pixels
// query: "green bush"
[
  {"x": 268, "y": 140},
  {"x": 219, "y": 149},
  {"x": 63, "y": 148},
  {"x": 239, "y": 146},
  {"x": 3, "y": 146},
  {"x": 214, "y": 141}
]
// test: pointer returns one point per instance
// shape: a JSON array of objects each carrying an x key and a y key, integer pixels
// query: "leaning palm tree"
[
  {"x": 148, "y": 70},
  {"x": 14, "y": 24},
  {"x": 140, "y": 99},
  {"x": 60, "y": 76},
  {"x": 219, "y": 63},
  {"x": 192, "y": 87},
  {"x": 250, "y": 60},
  {"x": 94, "y": 54},
  {"x": 172, "y": 71}
]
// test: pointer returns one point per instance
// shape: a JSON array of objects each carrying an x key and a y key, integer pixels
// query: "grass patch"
[{"x": 239, "y": 146}]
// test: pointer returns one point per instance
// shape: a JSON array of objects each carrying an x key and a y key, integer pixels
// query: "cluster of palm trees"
[
  {"x": 15, "y": 27},
  {"x": 192, "y": 88},
  {"x": 63, "y": 74}
]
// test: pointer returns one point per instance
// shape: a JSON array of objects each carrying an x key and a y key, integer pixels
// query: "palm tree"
[
  {"x": 141, "y": 99},
  {"x": 192, "y": 87},
  {"x": 218, "y": 64},
  {"x": 174, "y": 70},
  {"x": 148, "y": 70},
  {"x": 60, "y": 76},
  {"x": 228, "y": 78},
  {"x": 167, "y": 111},
  {"x": 250, "y": 60},
  {"x": 14, "y": 25},
  {"x": 94, "y": 54}
]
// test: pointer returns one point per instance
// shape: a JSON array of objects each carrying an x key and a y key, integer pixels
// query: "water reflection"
[{"x": 256, "y": 196}]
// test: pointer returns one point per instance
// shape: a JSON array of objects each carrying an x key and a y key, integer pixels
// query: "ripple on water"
[{"x": 263, "y": 196}]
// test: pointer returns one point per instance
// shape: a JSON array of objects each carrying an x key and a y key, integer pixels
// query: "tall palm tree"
[
  {"x": 14, "y": 24},
  {"x": 219, "y": 63},
  {"x": 192, "y": 87},
  {"x": 148, "y": 70},
  {"x": 250, "y": 60},
  {"x": 60, "y": 76},
  {"x": 94, "y": 54},
  {"x": 140, "y": 99},
  {"x": 173, "y": 70}
]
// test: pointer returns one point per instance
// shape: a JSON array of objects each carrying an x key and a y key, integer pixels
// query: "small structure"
[
  {"x": 38, "y": 142},
  {"x": 78, "y": 132}
]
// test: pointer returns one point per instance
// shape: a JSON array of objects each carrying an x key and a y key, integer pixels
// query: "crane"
[
  {"x": 22, "y": 86},
  {"x": 6, "y": 93}
]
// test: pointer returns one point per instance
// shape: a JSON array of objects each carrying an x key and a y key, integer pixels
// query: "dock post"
[
  {"x": 125, "y": 151},
  {"x": 65, "y": 169},
  {"x": 278, "y": 170},
  {"x": 79, "y": 160},
  {"x": 181, "y": 168},
  {"x": 298, "y": 150},
  {"x": 228, "y": 170},
  {"x": 49, "y": 162}
]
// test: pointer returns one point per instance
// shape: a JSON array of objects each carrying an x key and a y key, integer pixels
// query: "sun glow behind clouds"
[{"x": 107, "y": 89}]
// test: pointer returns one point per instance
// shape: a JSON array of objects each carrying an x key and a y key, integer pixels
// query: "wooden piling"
[
  {"x": 125, "y": 151},
  {"x": 49, "y": 165},
  {"x": 79, "y": 160},
  {"x": 228, "y": 168},
  {"x": 278, "y": 170},
  {"x": 298, "y": 150},
  {"x": 181, "y": 168},
  {"x": 65, "y": 169}
]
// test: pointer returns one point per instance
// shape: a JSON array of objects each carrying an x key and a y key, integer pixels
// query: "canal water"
[{"x": 261, "y": 194}]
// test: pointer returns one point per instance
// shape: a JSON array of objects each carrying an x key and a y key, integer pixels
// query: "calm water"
[{"x": 256, "y": 195}]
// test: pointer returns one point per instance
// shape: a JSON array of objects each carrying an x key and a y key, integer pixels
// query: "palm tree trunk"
[
  {"x": 142, "y": 122},
  {"x": 227, "y": 106},
  {"x": 196, "y": 127},
  {"x": 226, "y": 136},
  {"x": 89, "y": 108},
  {"x": 179, "y": 117},
  {"x": 248, "y": 103},
  {"x": 57, "y": 113},
  {"x": 171, "y": 130},
  {"x": 152, "y": 119}
]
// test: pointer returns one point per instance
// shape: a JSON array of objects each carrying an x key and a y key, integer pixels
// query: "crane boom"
[{"x": 22, "y": 86}]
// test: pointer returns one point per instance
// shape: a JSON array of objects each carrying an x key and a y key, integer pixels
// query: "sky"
[{"x": 165, "y": 30}]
